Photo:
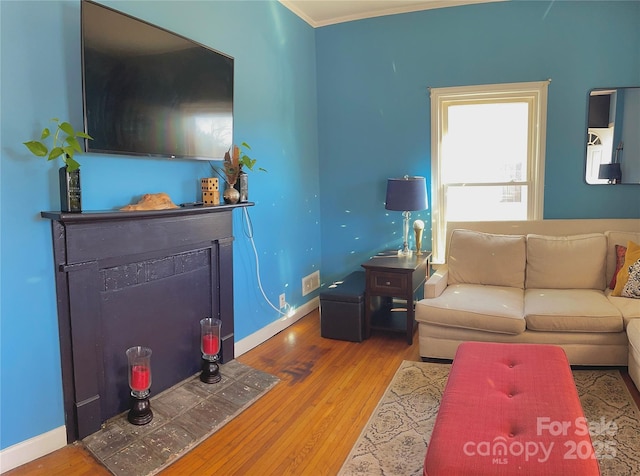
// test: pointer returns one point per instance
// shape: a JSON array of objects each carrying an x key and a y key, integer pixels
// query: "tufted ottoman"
[
  {"x": 510, "y": 409},
  {"x": 633, "y": 334}
]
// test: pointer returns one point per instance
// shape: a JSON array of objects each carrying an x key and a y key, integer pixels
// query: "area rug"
[
  {"x": 183, "y": 416},
  {"x": 395, "y": 439}
]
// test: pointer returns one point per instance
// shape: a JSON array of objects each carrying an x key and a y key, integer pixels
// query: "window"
[{"x": 487, "y": 154}]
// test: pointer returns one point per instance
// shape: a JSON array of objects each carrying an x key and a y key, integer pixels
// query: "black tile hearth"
[{"x": 183, "y": 416}]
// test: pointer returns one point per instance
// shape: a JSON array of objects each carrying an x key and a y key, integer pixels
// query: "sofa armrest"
[{"x": 437, "y": 282}]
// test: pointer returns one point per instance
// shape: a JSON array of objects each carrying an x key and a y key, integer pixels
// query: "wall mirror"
[{"x": 613, "y": 136}]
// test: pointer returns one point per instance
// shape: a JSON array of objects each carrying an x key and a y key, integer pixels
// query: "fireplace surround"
[{"x": 137, "y": 278}]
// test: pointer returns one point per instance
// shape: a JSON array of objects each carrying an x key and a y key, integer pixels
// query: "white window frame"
[{"x": 535, "y": 94}]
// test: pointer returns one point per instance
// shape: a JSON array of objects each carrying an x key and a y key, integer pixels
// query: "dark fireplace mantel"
[{"x": 136, "y": 278}]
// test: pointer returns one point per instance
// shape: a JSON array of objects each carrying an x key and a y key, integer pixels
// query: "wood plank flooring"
[{"x": 306, "y": 425}]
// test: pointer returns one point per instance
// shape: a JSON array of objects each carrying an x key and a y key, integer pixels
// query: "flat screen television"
[{"x": 150, "y": 92}]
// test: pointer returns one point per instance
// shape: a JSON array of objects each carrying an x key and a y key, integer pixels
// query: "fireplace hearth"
[
  {"x": 127, "y": 279},
  {"x": 186, "y": 414}
]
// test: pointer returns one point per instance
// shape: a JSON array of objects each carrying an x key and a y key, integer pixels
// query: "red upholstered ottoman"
[{"x": 510, "y": 409}]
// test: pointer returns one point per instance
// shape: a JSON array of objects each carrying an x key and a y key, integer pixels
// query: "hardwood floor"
[{"x": 307, "y": 424}]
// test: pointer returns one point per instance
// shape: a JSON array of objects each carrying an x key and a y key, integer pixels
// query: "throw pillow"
[
  {"x": 628, "y": 280},
  {"x": 620, "y": 253}
]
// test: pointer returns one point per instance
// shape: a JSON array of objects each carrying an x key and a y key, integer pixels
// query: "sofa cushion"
[
  {"x": 633, "y": 334},
  {"x": 566, "y": 262},
  {"x": 475, "y": 306},
  {"x": 570, "y": 310},
  {"x": 485, "y": 258},
  {"x": 617, "y": 238},
  {"x": 629, "y": 308}
]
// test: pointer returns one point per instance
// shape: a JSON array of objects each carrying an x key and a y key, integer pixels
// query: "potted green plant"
[
  {"x": 64, "y": 144},
  {"x": 237, "y": 189},
  {"x": 245, "y": 160}
]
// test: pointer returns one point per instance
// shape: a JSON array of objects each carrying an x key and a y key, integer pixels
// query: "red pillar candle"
[
  {"x": 210, "y": 344},
  {"x": 140, "y": 376}
]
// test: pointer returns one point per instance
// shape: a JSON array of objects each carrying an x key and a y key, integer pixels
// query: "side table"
[{"x": 392, "y": 276}]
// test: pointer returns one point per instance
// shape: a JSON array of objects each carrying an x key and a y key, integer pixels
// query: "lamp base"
[
  {"x": 405, "y": 253},
  {"x": 140, "y": 412},
  {"x": 210, "y": 371}
]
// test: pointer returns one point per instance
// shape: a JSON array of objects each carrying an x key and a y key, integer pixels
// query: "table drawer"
[{"x": 388, "y": 283}]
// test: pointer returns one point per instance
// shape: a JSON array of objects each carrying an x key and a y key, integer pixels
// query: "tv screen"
[{"x": 150, "y": 92}]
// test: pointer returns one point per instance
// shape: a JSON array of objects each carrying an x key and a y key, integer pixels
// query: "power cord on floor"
[{"x": 248, "y": 231}]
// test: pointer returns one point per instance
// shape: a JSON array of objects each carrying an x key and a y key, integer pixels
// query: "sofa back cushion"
[
  {"x": 566, "y": 262},
  {"x": 486, "y": 258}
]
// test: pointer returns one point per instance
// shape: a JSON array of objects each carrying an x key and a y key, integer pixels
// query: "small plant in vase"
[
  {"x": 65, "y": 144},
  {"x": 232, "y": 169}
]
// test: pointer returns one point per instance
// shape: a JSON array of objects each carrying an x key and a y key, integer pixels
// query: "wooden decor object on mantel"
[
  {"x": 137, "y": 278},
  {"x": 152, "y": 201},
  {"x": 210, "y": 191}
]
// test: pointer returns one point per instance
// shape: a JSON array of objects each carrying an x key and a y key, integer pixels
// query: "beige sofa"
[
  {"x": 530, "y": 282},
  {"x": 633, "y": 332}
]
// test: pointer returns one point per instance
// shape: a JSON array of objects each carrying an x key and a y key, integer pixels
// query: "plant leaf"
[
  {"x": 73, "y": 142},
  {"x": 246, "y": 146},
  {"x": 72, "y": 164},
  {"x": 249, "y": 162},
  {"x": 68, "y": 151},
  {"x": 37, "y": 148},
  {"x": 84, "y": 135},
  {"x": 67, "y": 129},
  {"x": 55, "y": 153},
  {"x": 45, "y": 133}
]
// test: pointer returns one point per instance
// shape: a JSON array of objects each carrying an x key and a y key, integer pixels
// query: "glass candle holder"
[
  {"x": 210, "y": 347},
  {"x": 139, "y": 370},
  {"x": 210, "y": 337},
  {"x": 139, "y": 360}
]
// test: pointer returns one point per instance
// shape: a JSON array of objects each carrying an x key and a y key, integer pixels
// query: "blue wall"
[
  {"x": 275, "y": 112},
  {"x": 374, "y": 107},
  {"x": 328, "y": 156}
]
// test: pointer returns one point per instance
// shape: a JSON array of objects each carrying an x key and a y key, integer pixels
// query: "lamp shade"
[
  {"x": 610, "y": 171},
  {"x": 407, "y": 194}
]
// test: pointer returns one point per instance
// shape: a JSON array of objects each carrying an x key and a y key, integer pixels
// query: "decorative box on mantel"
[{"x": 137, "y": 278}]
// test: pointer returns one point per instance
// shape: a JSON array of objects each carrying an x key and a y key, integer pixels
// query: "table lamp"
[
  {"x": 406, "y": 194},
  {"x": 611, "y": 172}
]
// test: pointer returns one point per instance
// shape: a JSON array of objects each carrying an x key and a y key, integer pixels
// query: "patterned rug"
[
  {"x": 183, "y": 416},
  {"x": 394, "y": 441}
]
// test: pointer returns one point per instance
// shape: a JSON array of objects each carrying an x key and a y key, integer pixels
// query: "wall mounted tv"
[{"x": 150, "y": 92}]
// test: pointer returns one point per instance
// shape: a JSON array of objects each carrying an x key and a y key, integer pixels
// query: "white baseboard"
[
  {"x": 267, "y": 332},
  {"x": 33, "y": 448}
]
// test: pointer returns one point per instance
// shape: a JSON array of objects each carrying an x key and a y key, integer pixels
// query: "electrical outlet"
[
  {"x": 310, "y": 282},
  {"x": 283, "y": 301}
]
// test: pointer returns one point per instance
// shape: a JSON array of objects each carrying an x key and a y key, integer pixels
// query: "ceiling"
[{"x": 327, "y": 12}]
